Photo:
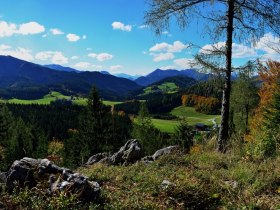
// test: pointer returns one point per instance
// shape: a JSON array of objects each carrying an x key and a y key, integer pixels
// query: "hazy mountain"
[
  {"x": 159, "y": 74},
  {"x": 61, "y": 68},
  {"x": 127, "y": 76},
  {"x": 105, "y": 72},
  {"x": 24, "y": 79}
]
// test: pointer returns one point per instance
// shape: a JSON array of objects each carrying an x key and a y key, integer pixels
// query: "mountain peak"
[{"x": 159, "y": 74}]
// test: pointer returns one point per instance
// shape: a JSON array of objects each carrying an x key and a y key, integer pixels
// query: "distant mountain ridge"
[
  {"x": 159, "y": 74},
  {"x": 26, "y": 80},
  {"x": 61, "y": 68},
  {"x": 127, "y": 76}
]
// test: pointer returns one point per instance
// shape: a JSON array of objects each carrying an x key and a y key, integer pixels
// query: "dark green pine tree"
[
  {"x": 72, "y": 150},
  {"x": 7, "y": 133},
  {"x": 39, "y": 141},
  {"x": 21, "y": 144},
  {"x": 94, "y": 126},
  {"x": 144, "y": 130},
  {"x": 183, "y": 136},
  {"x": 6, "y": 128}
]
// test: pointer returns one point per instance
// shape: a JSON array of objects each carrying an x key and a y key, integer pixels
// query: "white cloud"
[
  {"x": 101, "y": 56},
  {"x": 72, "y": 37},
  {"x": 238, "y": 50},
  {"x": 4, "y": 47},
  {"x": 121, "y": 26},
  {"x": 143, "y": 26},
  {"x": 21, "y": 53},
  {"x": 184, "y": 63},
  {"x": 56, "y": 31},
  {"x": 162, "y": 56},
  {"x": 31, "y": 28},
  {"x": 55, "y": 57},
  {"x": 269, "y": 45},
  {"x": 208, "y": 49},
  {"x": 177, "y": 46},
  {"x": 9, "y": 29},
  {"x": 59, "y": 58},
  {"x": 43, "y": 56},
  {"x": 168, "y": 67},
  {"x": 84, "y": 36},
  {"x": 82, "y": 65},
  {"x": 242, "y": 51},
  {"x": 159, "y": 47},
  {"x": 74, "y": 57},
  {"x": 115, "y": 67},
  {"x": 167, "y": 33}
]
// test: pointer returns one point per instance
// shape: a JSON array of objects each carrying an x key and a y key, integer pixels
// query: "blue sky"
[{"x": 104, "y": 35}]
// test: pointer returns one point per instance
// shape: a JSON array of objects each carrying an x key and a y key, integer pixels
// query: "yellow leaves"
[{"x": 196, "y": 149}]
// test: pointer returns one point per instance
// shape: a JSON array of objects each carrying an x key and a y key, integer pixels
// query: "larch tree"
[{"x": 244, "y": 20}]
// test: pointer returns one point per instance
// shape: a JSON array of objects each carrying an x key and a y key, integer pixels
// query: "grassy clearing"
[
  {"x": 194, "y": 117},
  {"x": 47, "y": 99},
  {"x": 52, "y": 96},
  {"x": 167, "y": 87},
  {"x": 167, "y": 126},
  {"x": 190, "y": 114},
  {"x": 110, "y": 103}
]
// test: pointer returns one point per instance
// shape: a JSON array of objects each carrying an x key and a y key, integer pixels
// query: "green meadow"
[
  {"x": 187, "y": 113},
  {"x": 167, "y": 87},
  {"x": 52, "y": 96}
]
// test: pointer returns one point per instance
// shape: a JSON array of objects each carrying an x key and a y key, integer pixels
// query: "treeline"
[
  {"x": 206, "y": 105},
  {"x": 28, "y": 130},
  {"x": 19, "y": 139},
  {"x": 54, "y": 120}
]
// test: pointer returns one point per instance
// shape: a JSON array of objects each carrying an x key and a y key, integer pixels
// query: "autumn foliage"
[
  {"x": 264, "y": 131},
  {"x": 269, "y": 75},
  {"x": 207, "y": 105}
]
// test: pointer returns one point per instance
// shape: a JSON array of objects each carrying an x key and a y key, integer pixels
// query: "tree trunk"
[{"x": 224, "y": 130}]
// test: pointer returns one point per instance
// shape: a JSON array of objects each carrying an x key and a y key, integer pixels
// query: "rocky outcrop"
[
  {"x": 129, "y": 153},
  {"x": 160, "y": 153},
  {"x": 96, "y": 158},
  {"x": 29, "y": 172}
]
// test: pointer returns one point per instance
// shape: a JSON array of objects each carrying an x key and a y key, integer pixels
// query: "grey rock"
[
  {"x": 28, "y": 172},
  {"x": 159, "y": 153},
  {"x": 233, "y": 184},
  {"x": 164, "y": 151},
  {"x": 147, "y": 159},
  {"x": 96, "y": 158},
  {"x": 129, "y": 153},
  {"x": 167, "y": 185},
  {"x": 3, "y": 177}
]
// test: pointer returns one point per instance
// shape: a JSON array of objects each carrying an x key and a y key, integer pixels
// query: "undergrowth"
[{"x": 203, "y": 179}]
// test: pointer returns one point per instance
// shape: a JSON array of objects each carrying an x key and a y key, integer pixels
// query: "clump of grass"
[{"x": 203, "y": 179}]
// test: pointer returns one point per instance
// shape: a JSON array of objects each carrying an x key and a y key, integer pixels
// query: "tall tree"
[
  {"x": 265, "y": 123},
  {"x": 146, "y": 132},
  {"x": 244, "y": 98},
  {"x": 94, "y": 126},
  {"x": 243, "y": 19}
]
